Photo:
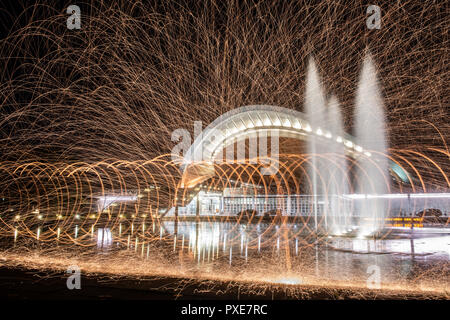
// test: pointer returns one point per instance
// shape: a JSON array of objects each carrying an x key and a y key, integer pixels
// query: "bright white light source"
[
  {"x": 348, "y": 143},
  {"x": 308, "y": 128},
  {"x": 289, "y": 281},
  {"x": 430, "y": 195}
]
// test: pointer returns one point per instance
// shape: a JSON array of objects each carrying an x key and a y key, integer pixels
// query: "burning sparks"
[{"x": 88, "y": 115}]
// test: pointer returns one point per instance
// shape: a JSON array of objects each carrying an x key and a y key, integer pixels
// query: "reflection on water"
[
  {"x": 244, "y": 245},
  {"x": 437, "y": 246},
  {"x": 104, "y": 237},
  {"x": 268, "y": 250}
]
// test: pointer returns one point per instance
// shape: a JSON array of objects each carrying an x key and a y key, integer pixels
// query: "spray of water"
[
  {"x": 315, "y": 112},
  {"x": 339, "y": 183},
  {"x": 370, "y": 132}
]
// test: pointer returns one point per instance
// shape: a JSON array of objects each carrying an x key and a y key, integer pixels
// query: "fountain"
[
  {"x": 370, "y": 132},
  {"x": 315, "y": 111},
  {"x": 338, "y": 184}
]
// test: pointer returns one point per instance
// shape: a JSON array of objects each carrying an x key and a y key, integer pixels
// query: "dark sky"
[{"x": 119, "y": 86}]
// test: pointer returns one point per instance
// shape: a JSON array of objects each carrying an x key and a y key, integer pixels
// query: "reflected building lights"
[{"x": 104, "y": 238}]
